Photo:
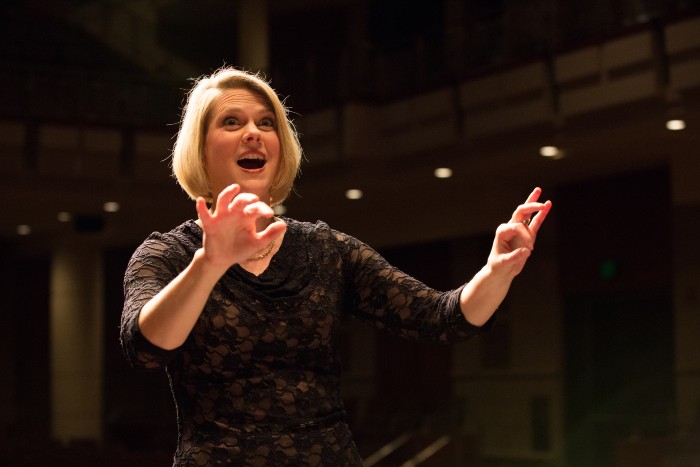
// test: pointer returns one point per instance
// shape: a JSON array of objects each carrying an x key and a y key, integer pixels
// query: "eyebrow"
[{"x": 237, "y": 108}]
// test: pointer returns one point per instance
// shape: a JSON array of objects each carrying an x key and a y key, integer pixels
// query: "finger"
[
  {"x": 537, "y": 221},
  {"x": 272, "y": 231},
  {"x": 534, "y": 196},
  {"x": 258, "y": 209},
  {"x": 515, "y": 234},
  {"x": 242, "y": 200},
  {"x": 524, "y": 211},
  {"x": 531, "y": 199},
  {"x": 227, "y": 195},
  {"x": 517, "y": 255},
  {"x": 202, "y": 210}
]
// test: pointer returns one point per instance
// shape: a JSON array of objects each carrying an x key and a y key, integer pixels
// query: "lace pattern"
[{"x": 257, "y": 382}]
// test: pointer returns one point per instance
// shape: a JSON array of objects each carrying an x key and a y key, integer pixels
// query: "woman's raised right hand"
[{"x": 231, "y": 231}]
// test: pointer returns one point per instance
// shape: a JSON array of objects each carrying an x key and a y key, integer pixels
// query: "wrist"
[
  {"x": 207, "y": 265},
  {"x": 497, "y": 273}
]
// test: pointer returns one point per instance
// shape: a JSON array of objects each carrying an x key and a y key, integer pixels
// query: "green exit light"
[{"x": 608, "y": 269}]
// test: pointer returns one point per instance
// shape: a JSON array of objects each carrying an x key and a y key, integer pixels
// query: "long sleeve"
[
  {"x": 264, "y": 355},
  {"x": 150, "y": 269},
  {"x": 386, "y": 297}
]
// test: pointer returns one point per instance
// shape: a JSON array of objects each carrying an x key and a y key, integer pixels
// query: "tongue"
[{"x": 251, "y": 164}]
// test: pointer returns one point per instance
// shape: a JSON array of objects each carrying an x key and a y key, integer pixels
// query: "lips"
[{"x": 251, "y": 161}]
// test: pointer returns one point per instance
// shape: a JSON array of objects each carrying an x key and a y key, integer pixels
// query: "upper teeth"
[{"x": 252, "y": 156}]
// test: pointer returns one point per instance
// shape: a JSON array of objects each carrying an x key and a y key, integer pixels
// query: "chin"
[{"x": 258, "y": 187}]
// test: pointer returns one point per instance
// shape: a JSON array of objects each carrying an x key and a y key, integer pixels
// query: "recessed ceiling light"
[
  {"x": 64, "y": 216},
  {"x": 353, "y": 194},
  {"x": 111, "y": 206},
  {"x": 675, "y": 125},
  {"x": 443, "y": 172},
  {"x": 550, "y": 151},
  {"x": 23, "y": 229}
]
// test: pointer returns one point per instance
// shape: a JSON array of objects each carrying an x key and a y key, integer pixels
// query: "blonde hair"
[{"x": 188, "y": 162}]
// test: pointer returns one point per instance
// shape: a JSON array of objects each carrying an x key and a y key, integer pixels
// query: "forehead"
[{"x": 240, "y": 99}]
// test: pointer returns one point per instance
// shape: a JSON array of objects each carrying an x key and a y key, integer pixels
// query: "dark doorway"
[
  {"x": 619, "y": 376},
  {"x": 413, "y": 378},
  {"x": 615, "y": 263}
]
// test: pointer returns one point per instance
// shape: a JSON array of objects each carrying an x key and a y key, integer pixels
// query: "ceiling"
[{"x": 403, "y": 202}]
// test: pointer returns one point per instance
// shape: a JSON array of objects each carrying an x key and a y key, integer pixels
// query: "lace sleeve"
[
  {"x": 148, "y": 271},
  {"x": 389, "y": 299}
]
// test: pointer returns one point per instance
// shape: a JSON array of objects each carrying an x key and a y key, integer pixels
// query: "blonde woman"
[{"x": 242, "y": 309}]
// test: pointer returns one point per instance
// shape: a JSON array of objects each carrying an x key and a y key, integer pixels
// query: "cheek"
[
  {"x": 274, "y": 146},
  {"x": 215, "y": 149},
  {"x": 212, "y": 159}
]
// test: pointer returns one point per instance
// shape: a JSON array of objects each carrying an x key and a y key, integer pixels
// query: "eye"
[
  {"x": 231, "y": 121},
  {"x": 267, "y": 123}
]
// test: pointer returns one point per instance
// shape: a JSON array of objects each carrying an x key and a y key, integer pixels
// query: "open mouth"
[{"x": 251, "y": 162}]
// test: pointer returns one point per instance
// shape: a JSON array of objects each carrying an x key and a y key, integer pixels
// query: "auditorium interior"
[{"x": 423, "y": 124}]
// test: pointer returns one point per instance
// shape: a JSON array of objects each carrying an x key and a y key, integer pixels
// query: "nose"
[{"x": 252, "y": 134}]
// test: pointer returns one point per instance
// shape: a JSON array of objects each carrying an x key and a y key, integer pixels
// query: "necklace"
[{"x": 267, "y": 251}]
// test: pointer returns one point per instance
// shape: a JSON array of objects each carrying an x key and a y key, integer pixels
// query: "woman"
[{"x": 242, "y": 309}]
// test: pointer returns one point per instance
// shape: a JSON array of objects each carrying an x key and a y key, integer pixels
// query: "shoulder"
[
  {"x": 320, "y": 234},
  {"x": 177, "y": 244},
  {"x": 184, "y": 234},
  {"x": 308, "y": 230},
  {"x": 318, "y": 231}
]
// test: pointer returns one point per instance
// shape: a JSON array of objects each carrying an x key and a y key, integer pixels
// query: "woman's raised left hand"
[{"x": 515, "y": 240}]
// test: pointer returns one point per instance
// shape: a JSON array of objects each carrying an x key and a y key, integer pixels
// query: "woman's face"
[{"x": 242, "y": 145}]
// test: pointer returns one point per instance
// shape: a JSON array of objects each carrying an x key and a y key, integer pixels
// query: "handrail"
[
  {"x": 429, "y": 451},
  {"x": 387, "y": 449}
]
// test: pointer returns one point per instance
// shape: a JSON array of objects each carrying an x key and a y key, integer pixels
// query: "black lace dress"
[{"x": 258, "y": 380}]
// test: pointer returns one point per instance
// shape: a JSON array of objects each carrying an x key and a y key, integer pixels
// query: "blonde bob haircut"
[{"x": 188, "y": 161}]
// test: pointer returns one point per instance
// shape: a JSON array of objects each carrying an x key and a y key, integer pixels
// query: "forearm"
[
  {"x": 481, "y": 296},
  {"x": 167, "y": 319}
]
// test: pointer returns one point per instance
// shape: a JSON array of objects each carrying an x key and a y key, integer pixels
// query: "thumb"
[
  {"x": 273, "y": 230},
  {"x": 514, "y": 260},
  {"x": 521, "y": 254},
  {"x": 202, "y": 211}
]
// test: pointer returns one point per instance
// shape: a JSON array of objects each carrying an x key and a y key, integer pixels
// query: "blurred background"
[{"x": 424, "y": 125}]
